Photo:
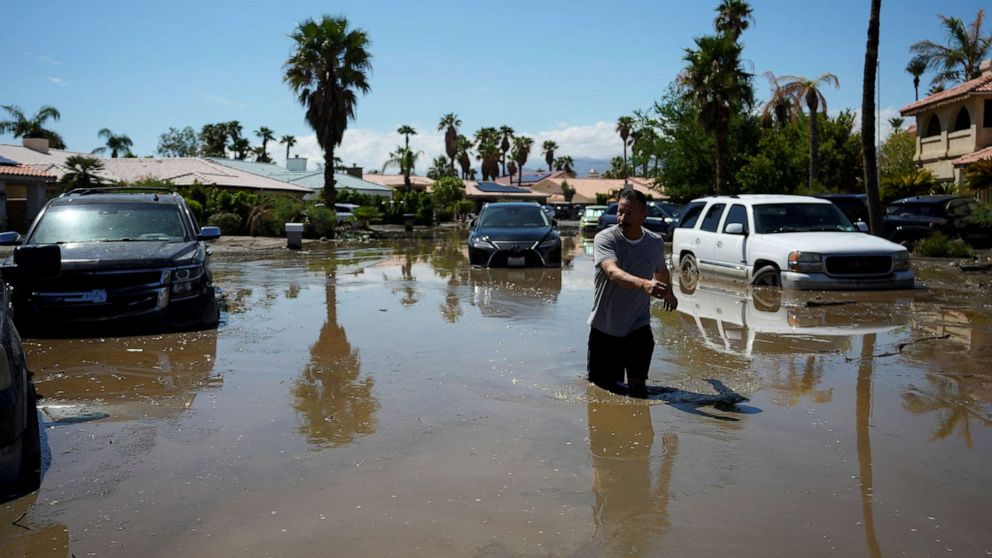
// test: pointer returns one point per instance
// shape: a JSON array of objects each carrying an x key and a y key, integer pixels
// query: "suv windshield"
[
  {"x": 515, "y": 216},
  {"x": 799, "y": 217},
  {"x": 920, "y": 209},
  {"x": 105, "y": 222}
]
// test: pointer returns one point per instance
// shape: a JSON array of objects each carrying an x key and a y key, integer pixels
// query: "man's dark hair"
[{"x": 634, "y": 195}]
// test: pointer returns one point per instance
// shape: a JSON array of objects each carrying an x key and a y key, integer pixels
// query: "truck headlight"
[
  {"x": 805, "y": 262},
  {"x": 900, "y": 261},
  {"x": 184, "y": 278}
]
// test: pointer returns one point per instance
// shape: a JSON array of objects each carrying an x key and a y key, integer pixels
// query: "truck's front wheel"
[{"x": 767, "y": 276}]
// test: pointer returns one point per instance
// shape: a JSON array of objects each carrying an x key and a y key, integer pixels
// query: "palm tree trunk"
[
  {"x": 868, "y": 123},
  {"x": 916, "y": 88},
  {"x": 814, "y": 137},
  {"x": 330, "y": 192},
  {"x": 624, "y": 158},
  {"x": 287, "y": 153},
  {"x": 718, "y": 148}
]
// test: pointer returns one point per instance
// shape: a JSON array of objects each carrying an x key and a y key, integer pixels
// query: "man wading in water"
[{"x": 630, "y": 269}]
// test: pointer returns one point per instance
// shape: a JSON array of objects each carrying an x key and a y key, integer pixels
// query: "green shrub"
[
  {"x": 984, "y": 215},
  {"x": 368, "y": 215},
  {"x": 940, "y": 246},
  {"x": 229, "y": 223},
  {"x": 320, "y": 222}
]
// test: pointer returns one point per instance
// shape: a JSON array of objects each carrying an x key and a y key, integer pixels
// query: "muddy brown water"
[{"x": 387, "y": 399}]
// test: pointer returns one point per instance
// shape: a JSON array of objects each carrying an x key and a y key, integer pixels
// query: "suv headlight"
[
  {"x": 900, "y": 261},
  {"x": 549, "y": 242},
  {"x": 481, "y": 242},
  {"x": 805, "y": 262},
  {"x": 184, "y": 278}
]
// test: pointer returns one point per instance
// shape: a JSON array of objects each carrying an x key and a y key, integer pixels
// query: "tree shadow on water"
[{"x": 725, "y": 399}]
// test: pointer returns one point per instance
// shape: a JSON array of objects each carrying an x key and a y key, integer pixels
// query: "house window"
[
  {"x": 963, "y": 121},
  {"x": 987, "y": 118},
  {"x": 933, "y": 128}
]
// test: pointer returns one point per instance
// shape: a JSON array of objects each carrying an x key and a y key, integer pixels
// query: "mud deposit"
[{"x": 385, "y": 399}]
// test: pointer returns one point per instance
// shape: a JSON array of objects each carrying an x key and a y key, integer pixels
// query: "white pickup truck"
[{"x": 790, "y": 241}]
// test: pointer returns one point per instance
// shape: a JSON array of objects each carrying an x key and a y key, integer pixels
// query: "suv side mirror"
[
  {"x": 35, "y": 263},
  {"x": 734, "y": 228},
  {"x": 10, "y": 238},
  {"x": 209, "y": 233},
  {"x": 862, "y": 226}
]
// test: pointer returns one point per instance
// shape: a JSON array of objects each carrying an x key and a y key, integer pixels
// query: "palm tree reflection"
[
  {"x": 334, "y": 401},
  {"x": 953, "y": 402},
  {"x": 631, "y": 501},
  {"x": 862, "y": 425}
]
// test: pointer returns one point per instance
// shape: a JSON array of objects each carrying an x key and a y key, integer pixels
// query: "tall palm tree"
[
  {"x": 779, "y": 109},
  {"x": 716, "y": 82},
  {"x": 548, "y": 148},
  {"x": 868, "y": 123},
  {"x": 625, "y": 124},
  {"x": 959, "y": 58},
  {"x": 801, "y": 90},
  {"x": 462, "y": 145},
  {"x": 521, "y": 150},
  {"x": 83, "y": 172},
  {"x": 406, "y": 132},
  {"x": 266, "y": 135},
  {"x": 290, "y": 141},
  {"x": 504, "y": 144},
  {"x": 733, "y": 17},
  {"x": 327, "y": 70},
  {"x": 404, "y": 159},
  {"x": 565, "y": 163},
  {"x": 916, "y": 67},
  {"x": 488, "y": 151},
  {"x": 20, "y": 126},
  {"x": 116, "y": 144},
  {"x": 450, "y": 123}
]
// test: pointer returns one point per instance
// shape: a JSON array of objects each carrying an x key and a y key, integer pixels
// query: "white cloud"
[
  {"x": 57, "y": 81},
  {"x": 882, "y": 117},
  {"x": 596, "y": 141}
]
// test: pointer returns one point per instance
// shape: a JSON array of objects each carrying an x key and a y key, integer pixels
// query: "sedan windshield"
[
  {"x": 110, "y": 222},
  {"x": 799, "y": 217},
  {"x": 593, "y": 213},
  {"x": 516, "y": 216}
]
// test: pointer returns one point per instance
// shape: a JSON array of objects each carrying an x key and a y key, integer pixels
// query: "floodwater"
[{"x": 387, "y": 399}]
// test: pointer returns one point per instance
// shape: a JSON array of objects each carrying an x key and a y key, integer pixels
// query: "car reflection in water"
[
  {"x": 123, "y": 378},
  {"x": 514, "y": 293}
]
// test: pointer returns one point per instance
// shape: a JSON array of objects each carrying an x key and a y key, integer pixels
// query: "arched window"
[
  {"x": 933, "y": 128},
  {"x": 963, "y": 121}
]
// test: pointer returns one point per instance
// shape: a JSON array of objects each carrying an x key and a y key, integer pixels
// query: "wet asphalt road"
[{"x": 387, "y": 399}]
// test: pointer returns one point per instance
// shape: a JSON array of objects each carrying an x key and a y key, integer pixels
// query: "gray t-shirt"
[{"x": 617, "y": 311}]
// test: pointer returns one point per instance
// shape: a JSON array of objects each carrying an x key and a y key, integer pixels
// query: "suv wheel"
[
  {"x": 767, "y": 276},
  {"x": 688, "y": 265}
]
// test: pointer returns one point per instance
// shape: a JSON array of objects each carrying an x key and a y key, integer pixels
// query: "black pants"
[{"x": 610, "y": 356}]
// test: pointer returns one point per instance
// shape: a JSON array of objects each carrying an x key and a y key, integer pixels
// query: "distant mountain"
[{"x": 585, "y": 164}]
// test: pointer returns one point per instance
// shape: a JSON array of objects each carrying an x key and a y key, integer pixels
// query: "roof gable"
[{"x": 982, "y": 85}]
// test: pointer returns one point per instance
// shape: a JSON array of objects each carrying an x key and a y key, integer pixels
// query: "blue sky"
[{"x": 549, "y": 69}]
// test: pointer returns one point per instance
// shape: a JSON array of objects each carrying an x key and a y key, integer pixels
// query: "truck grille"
[
  {"x": 859, "y": 265},
  {"x": 104, "y": 280}
]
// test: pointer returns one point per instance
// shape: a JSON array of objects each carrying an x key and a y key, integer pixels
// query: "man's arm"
[
  {"x": 624, "y": 280},
  {"x": 668, "y": 295}
]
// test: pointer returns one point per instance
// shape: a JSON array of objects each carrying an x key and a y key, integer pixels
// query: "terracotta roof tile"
[
  {"x": 24, "y": 170},
  {"x": 981, "y": 84},
  {"x": 972, "y": 157}
]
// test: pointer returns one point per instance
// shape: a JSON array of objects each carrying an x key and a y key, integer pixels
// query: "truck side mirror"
[{"x": 734, "y": 228}]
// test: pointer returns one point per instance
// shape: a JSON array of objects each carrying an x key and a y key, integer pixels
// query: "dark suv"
[
  {"x": 656, "y": 221},
  {"x": 127, "y": 254},
  {"x": 911, "y": 219}
]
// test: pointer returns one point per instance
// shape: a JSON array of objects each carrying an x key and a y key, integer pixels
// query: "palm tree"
[
  {"x": 778, "y": 110},
  {"x": 241, "y": 147},
  {"x": 521, "y": 150},
  {"x": 115, "y": 144},
  {"x": 959, "y": 58},
  {"x": 867, "y": 123},
  {"x": 504, "y": 144},
  {"x": 82, "y": 172},
  {"x": 896, "y": 123},
  {"x": 450, "y": 123},
  {"x": 290, "y": 141},
  {"x": 548, "y": 148},
  {"x": 405, "y": 160},
  {"x": 488, "y": 151},
  {"x": 565, "y": 163},
  {"x": 20, "y": 126},
  {"x": 800, "y": 90},
  {"x": 718, "y": 85},
  {"x": 438, "y": 168},
  {"x": 327, "y": 70},
  {"x": 406, "y": 132},
  {"x": 266, "y": 135},
  {"x": 462, "y": 145},
  {"x": 733, "y": 17},
  {"x": 625, "y": 124},
  {"x": 916, "y": 67}
]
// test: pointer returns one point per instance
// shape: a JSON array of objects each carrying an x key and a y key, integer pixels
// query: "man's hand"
[{"x": 663, "y": 291}]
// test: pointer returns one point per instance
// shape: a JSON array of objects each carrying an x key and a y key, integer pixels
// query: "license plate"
[{"x": 516, "y": 261}]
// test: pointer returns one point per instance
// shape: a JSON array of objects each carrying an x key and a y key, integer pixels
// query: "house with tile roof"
[
  {"x": 23, "y": 191},
  {"x": 395, "y": 182},
  {"x": 587, "y": 188},
  {"x": 954, "y": 126},
  {"x": 297, "y": 174}
]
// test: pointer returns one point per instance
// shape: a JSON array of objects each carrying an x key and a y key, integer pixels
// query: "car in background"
[
  {"x": 126, "y": 254},
  {"x": 853, "y": 206},
  {"x": 589, "y": 222},
  {"x": 20, "y": 443},
  {"x": 514, "y": 234},
  {"x": 549, "y": 211},
  {"x": 655, "y": 221},
  {"x": 910, "y": 219},
  {"x": 791, "y": 241},
  {"x": 345, "y": 211}
]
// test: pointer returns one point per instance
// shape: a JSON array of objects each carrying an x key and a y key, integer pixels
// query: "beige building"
[
  {"x": 954, "y": 126},
  {"x": 587, "y": 188},
  {"x": 23, "y": 191}
]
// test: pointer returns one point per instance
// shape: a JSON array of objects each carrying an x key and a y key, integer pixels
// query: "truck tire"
[
  {"x": 767, "y": 276},
  {"x": 688, "y": 265}
]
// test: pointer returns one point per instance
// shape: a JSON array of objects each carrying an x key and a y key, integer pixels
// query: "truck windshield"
[
  {"x": 799, "y": 217},
  {"x": 105, "y": 222}
]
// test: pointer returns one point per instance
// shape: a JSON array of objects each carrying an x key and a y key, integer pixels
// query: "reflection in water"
[
  {"x": 336, "y": 405},
  {"x": 21, "y": 537},
  {"x": 631, "y": 505},
  {"x": 952, "y": 401},
  {"x": 862, "y": 424},
  {"x": 514, "y": 293},
  {"x": 127, "y": 377}
]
